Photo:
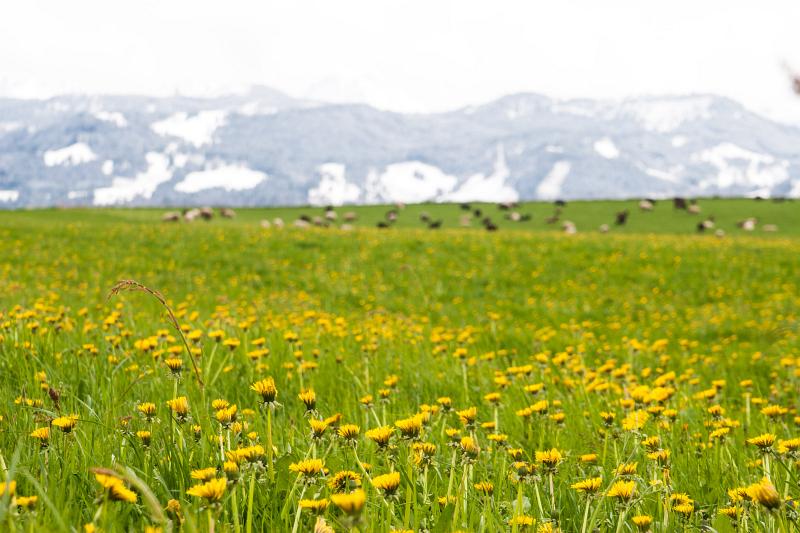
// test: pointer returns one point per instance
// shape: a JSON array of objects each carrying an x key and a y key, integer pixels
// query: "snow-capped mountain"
[{"x": 264, "y": 148}]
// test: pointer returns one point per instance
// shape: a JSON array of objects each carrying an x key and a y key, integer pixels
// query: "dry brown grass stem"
[{"x": 133, "y": 285}]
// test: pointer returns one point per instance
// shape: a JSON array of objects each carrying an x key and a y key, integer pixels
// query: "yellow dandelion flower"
[
  {"x": 350, "y": 503},
  {"x": 387, "y": 483},
  {"x": 212, "y": 490}
]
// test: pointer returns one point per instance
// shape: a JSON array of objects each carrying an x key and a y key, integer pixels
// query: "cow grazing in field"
[
  {"x": 465, "y": 221},
  {"x": 331, "y": 215},
  {"x": 301, "y": 223},
  {"x": 679, "y": 203},
  {"x": 489, "y": 225},
  {"x": 560, "y": 203},
  {"x": 435, "y": 224},
  {"x": 383, "y": 225},
  {"x": 693, "y": 209},
  {"x": 569, "y": 227},
  {"x": 206, "y": 213},
  {"x": 172, "y": 216},
  {"x": 705, "y": 225},
  {"x": 277, "y": 222},
  {"x": 191, "y": 214},
  {"x": 646, "y": 205},
  {"x": 266, "y": 224},
  {"x": 350, "y": 216},
  {"x": 478, "y": 213},
  {"x": 604, "y": 228},
  {"x": 465, "y": 207},
  {"x": 514, "y": 216},
  {"x": 748, "y": 224},
  {"x": 424, "y": 217},
  {"x": 227, "y": 212},
  {"x": 391, "y": 215},
  {"x": 621, "y": 218}
]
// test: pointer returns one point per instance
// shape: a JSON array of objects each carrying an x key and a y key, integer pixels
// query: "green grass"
[
  {"x": 587, "y": 216},
  {"x": 420, "y": 315}
]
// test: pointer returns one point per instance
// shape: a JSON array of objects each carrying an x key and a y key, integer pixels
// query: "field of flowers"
[{"x": 402, "y": 380}]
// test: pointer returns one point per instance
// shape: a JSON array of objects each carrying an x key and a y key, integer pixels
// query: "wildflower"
[
  {"x": 179, "y": 407},
  {"x": 685, "y": 509},
  {"x": 8, "y": 487},
  {"x": 774, "y": 411},
  {"x": 66, "y": 423},
  {"x": 315, "y": 506},
  {"x": 219, "y": 404},
  {"x": 204, "y": 474},
  {"x": 380, "y": 435},
  {"x": 522, "y": 520},
  {"x": 549, "y": 458},
  {"x": 588, "y": 458},
  {"x": 588, "y": 486},
  {"x": 266, "y": 388},
  {"x": 309, "y": 398},
  {"x": 622, "y": 490},
  {"x": 26, "y": 502},
  {"x": 469, "y": 447},
  {"x": 145, "y": 437},
  {"x": 387, "y": 483},
  {"x": 42, "y": 435},
  {"x": 349, "y": 432},
  {"x": 308, "y": 468},
  {"x": 148, "y": 410},
  {"x": 424, "y": 452},
  {"x": 764, "y": 441},
  {"x": 226, "y": 416},
  {"x": 175, "y": 365},
  {"x": 212, "y": 490},
  {"x": 642, "y": 521},
  {"x": 410, "y": 427},
  {"x": 350, "y": 503},
  {"x": 764, "y": 493},
  {"x": 485, "y": 487},
  {"x": 731, "y": 512},
  {"x": 345, "y": 481},
  {"x": 318, "y": 427},
  {"x": 468, "y": 416},
  {"x": 626, "y": 469},
  {"x": 116, "y": 489}
]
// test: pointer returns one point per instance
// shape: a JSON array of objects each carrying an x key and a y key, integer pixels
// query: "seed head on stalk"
[{"x": 133, "y": 285}]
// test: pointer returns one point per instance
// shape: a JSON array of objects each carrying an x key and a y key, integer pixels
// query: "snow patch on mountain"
[
  {"x": 196, "y": 129},
  {"x": 115, "y": 117},
  {"x": 333, "y": 188},
  {"x": 8, "y": 127},
  {"x": 123, "y": 190},
  {"x": 228, "y": 177},
  {"x": 672, "y": 175},
  {"x": 550, "y": 187},
  {"x": 409, "y": 182},
  {"x": 606, "y": 148},
  {"x": 8, "y": 195},
  {"x": 491, "y": 188},
  {"x": 739, "y": 167},
  {"x": 74, "y": 154},
  {"x": 679, "y": 141},
  {"x": 667, "y": 114}
]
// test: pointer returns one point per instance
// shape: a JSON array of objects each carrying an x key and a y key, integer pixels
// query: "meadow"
[{"x": 400, "y": 379}]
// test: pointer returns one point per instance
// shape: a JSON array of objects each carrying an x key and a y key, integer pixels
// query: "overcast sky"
[{"x": 406, "y": 55}]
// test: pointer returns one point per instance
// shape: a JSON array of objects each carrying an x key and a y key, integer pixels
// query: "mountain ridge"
[{"x": 264, "y": 147}]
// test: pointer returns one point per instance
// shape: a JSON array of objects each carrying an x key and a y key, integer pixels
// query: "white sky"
[{"x": 408, "y": 55}]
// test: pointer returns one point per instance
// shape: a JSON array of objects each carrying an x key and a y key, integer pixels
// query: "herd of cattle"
[{"x": 471, "y": 215}]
